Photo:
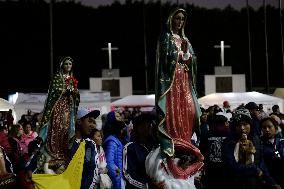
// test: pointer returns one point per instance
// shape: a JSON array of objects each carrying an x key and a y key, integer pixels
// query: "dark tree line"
[{"x": 80, "y": 32}]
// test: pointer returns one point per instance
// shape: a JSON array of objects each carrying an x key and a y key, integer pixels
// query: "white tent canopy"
[
  {"x": 5, "y": 105},
  {"x": 135, "y": 101},
  {"x": 235, "y": 99},
  {"x": 23, "y": 102}
]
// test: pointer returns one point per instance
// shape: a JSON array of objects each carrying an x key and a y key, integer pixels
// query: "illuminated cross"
[
  {"x": 222, "y": 46},
  {"x": 109, "y": 48}
]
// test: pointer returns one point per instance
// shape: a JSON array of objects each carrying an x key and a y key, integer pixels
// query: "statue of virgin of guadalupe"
[
  {"x": 178, "y": 111},
  {"x": 57, "y": 126}
]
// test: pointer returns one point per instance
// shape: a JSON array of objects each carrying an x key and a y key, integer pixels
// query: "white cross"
[
  {"x": 109, "y": 48},
  {"x": 222, "y": 46}
]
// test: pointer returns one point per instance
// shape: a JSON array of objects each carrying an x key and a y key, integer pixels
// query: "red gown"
[{"x": 180, "y": 108}]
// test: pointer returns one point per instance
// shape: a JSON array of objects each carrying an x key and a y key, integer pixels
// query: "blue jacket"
[{"x": 113, "y": 151}]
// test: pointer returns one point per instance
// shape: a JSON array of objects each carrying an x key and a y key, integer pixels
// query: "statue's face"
[
  {"x": 178, "y": 21},
  {"x": 67, "y": 66}
]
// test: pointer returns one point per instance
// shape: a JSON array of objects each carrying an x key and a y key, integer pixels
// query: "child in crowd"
[
  {"x": 273, "y": 149},
  {"x": 96, "y": 136}
]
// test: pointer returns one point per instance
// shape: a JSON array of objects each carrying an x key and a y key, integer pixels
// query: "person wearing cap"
[
  {"x": 81, "y": 170},
  {"x": 243, "y": 156},
  {"x": 85, "y": 123},
  {"x": 83, "y": 130},
  {"x": 136, "y": 151},
  {"x": 255, "y": 115}
]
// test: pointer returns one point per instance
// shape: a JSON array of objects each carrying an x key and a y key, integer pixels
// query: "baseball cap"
[
  {"x": 84, "y": 112},
  {"x": 251, "y": 106}
]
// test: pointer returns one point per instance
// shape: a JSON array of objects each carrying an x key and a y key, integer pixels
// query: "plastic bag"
[{"x": 105, "y": 182}]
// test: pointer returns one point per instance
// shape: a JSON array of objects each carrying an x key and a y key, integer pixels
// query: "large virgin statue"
[
  {"x": 58, "y": 121},
  {"x": 176, "y": 101}
]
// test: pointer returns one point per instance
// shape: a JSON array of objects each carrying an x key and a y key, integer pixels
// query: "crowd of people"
[
  {"x": 176, "y": 145},
  {"x": 242, "y": 148}
]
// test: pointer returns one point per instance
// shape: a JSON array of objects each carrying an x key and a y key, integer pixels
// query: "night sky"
[
  {"x": 25, "y": 40},
  {"x": 237, "y": 4}
]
